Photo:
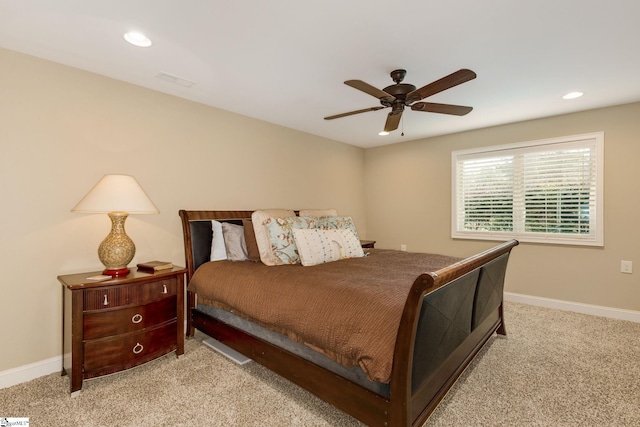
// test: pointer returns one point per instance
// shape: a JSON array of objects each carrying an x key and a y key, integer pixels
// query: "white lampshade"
[{"x": 116, "y": 193}]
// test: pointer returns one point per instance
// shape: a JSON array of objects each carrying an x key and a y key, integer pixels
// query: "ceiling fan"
[{"x": 400, "y": 95}]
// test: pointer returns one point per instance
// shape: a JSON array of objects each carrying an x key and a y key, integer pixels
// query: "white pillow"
[
  {"x": 234, "y": 242},
  {"x": 263, "y": 240},
  {"x": 318, "y": 246},
  {"x": 218, "y": 249}
]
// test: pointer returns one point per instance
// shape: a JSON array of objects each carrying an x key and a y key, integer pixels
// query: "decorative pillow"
[
  {"x": 318, "y": 212},
  {"x": 234, "y": 242},
  {"x": 283, "y": 245},
  {"x": 250, "y": 240},
  {"x": 338, "y": 223},
  {"x": 218, "y": 249},
  {"x": 317, "y": 246},
  {"x": 262, "y": 234}
]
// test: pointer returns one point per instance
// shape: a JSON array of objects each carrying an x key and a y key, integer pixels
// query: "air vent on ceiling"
[{"x": 175, "y": 79}]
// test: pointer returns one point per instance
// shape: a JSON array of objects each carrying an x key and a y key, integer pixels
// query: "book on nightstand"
[{"x": 153, "y": 266}]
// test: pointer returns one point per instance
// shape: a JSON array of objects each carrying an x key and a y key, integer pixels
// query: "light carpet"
[{"x": 555, "y": 368}]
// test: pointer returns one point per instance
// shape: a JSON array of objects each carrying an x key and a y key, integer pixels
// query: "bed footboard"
[{"x": 450, "y": 314}]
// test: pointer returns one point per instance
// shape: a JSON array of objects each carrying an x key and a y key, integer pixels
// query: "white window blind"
[{"x": 539, "y": 191}]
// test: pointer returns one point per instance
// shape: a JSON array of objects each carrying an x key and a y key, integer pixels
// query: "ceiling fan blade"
[
  {"x": 447, "y": 82},
  {"x": 393, "y": 120},
  {"x": 371, "y": 90},
  {"x": 350, "y": 113},
  {"x": 430, "y": 107}
]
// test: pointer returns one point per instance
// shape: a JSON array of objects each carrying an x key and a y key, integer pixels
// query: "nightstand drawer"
[
  {"x": 114, "y": 322},
  {"x": 116, "y": 296},
  {"x": 108, "y": 353}
]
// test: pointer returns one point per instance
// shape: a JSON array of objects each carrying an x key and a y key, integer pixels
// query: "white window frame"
[{"x": 596, "y": 213}]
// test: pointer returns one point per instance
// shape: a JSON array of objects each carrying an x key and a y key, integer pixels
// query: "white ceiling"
[{"x": 285, "y": 61}]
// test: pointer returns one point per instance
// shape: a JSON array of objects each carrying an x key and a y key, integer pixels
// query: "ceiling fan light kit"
[{"x": 400, "y": 95}]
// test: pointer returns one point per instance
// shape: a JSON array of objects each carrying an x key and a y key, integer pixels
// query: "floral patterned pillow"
[
  {"x": 259, "y": 219},
  {"x": 337, "y": 223},
  {"x": 283, "y": 244}
]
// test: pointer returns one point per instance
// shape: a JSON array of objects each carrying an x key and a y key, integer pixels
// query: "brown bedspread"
[{"x": 349, "y": 310}]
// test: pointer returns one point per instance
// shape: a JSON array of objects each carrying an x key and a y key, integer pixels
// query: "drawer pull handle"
[
  {"x": 105, "y": 302},
  {"x": 137, "y": 318},
  {"x": 164, "y": 288},
  {"x": 137, "y": 349}
]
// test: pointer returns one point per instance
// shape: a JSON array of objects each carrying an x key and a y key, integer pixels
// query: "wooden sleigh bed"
[{"x": 447, "y": 317}]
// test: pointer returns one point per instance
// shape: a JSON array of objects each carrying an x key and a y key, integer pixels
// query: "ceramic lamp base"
[{"x": 117, "y": 250}]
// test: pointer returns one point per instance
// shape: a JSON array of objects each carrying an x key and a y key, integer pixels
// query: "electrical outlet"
[
  {"x": 403, "y": 247},
  {"x": 626, "y": 267}
]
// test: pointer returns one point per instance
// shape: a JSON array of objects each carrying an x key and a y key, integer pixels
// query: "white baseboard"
[
  {"x": 45, "y": 367},
  {"x": 594, "y": 310},
  {"x": 29, "y": 372}
]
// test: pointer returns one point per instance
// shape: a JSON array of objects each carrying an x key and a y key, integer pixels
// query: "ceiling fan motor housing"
[{"x": 399, "y": 90}]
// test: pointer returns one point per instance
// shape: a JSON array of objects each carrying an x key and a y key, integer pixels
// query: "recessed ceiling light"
[
  {"x": 383, "y": 133},
  {"x": 137, "y": 39},
  {"x": 573, "y": 95}
]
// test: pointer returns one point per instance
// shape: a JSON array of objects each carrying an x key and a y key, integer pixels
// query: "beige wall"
[
  {"x": 62, "y": 129},
  {"x": 408, "y": 201}
]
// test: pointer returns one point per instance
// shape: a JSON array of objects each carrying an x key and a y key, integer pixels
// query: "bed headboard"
[{"x": 197, "y": 233}]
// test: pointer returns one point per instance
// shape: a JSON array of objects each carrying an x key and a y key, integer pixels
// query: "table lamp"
[{"x": 118, "y": 196}]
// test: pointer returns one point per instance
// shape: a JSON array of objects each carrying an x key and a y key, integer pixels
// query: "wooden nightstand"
[
  {"x": 367, "y": 243},
  {"x": 120, "y": 323}
]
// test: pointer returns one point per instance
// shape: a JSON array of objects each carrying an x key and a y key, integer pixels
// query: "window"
[{"x": 540, "y": 191}]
